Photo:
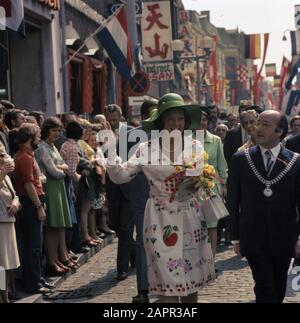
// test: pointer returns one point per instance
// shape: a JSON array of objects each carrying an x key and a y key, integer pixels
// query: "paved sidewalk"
[{"x": 95, "y": 282}]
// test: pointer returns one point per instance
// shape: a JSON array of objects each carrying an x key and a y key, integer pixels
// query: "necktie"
[{"x": 269, "y": 162}]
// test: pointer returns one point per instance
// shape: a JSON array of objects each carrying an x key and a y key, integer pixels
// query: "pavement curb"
[{"x": 57, "y": 281}]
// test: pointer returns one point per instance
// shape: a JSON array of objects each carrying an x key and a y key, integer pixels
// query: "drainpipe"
[
  {"x": 132, "y": 29},
  {"x": 64, "y": 70}
]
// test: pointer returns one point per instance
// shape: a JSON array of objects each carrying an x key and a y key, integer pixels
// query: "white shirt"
[
  {"x": 245, "y": 136},
  {"x": 274, "y": 154}
]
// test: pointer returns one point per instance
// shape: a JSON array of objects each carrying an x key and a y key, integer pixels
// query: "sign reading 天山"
[{"x": 157, "y": 31}]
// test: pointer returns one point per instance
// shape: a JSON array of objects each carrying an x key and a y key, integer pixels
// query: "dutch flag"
[
  {"x": 12, "y": 16},
  {"x": 115, "y": 39}
]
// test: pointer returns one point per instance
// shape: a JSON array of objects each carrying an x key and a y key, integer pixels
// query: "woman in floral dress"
[{"x": 179, "y": 257}]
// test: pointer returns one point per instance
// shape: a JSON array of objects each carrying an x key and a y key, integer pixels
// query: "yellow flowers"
[
  {"x": 209, "y": 171},
  {"x": 179, "y": 169},
  {"x": 206, "y": 180}
]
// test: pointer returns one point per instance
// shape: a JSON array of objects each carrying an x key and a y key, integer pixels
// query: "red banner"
[{"x": 256, "y": 80}]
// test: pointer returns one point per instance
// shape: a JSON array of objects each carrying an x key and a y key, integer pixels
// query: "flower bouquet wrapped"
[{"x": 189, "y": 177}]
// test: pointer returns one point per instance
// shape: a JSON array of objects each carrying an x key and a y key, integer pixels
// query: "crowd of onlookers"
[
  {"x": 56, "y": 200},
  {"x": 52, "y": 195}
]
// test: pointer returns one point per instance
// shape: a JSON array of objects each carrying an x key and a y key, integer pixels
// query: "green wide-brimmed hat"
[{"x": 172, "y": 101}]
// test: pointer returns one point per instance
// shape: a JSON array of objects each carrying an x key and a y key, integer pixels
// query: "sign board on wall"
[
  {"x": 160, "y": 71},
  {"x": 138, "y": 7}
]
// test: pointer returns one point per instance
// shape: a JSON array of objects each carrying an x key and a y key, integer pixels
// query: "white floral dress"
[{"x": 179, "y": 257}]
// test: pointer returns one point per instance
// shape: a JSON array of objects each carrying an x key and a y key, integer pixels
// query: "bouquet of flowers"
[
  {"x": 206, "y": 180},
  {"x": 185, "y": 179}
]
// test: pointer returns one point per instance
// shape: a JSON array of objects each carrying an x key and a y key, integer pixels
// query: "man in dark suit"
[
  {"x": 293, "y": 144},
  {"x": 140, "y": 194},
  {"x": 236, "y": 137},
  {"x": 264, "y": 222},
  {"x": 120, "y": 213},
  {"x": 233, "y": 141}
]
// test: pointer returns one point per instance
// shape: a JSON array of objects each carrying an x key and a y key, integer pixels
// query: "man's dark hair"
[
  {"x": 110, "y": 108},
  {"x": 212, "y": 107},
  {"x": 26, "y": 132},
  {"x": 74, "y": 130},
  {"x": 48, "y": 124},
  {"x": 257, "y": 108},
  {"x": 242, "y": 108},
  {"x": 295, "y": 118},
  {"x": 38, "y": 116},
  {"x": 10, "y": 116},
  {"x": 64, "y": 115},
  {"x": 282, "y": 125}
]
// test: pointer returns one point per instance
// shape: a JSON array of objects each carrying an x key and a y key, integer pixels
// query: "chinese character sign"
[{"x": 157, "y": 31}]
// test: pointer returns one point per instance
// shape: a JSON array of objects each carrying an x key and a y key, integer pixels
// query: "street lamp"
[
  {"x": 206, "y": 45},
  {"x": 199, "y": 80}
]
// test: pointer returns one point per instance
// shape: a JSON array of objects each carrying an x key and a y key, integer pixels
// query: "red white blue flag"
[
  {"x": 115, "y": 39},
  {"x": 12, "y": 16}
]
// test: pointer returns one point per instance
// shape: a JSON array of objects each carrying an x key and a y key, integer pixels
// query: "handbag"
[
  {"x": 214, "y": 209},
  {"x": 184, "y": 190}
]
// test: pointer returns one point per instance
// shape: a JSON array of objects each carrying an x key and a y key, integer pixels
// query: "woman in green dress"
[
  {"x": 214, "y": 148},
  {"x": 57, "y": 211}
]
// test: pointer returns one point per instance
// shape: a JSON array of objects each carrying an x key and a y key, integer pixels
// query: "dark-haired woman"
[{"x": 58, "y": 213}]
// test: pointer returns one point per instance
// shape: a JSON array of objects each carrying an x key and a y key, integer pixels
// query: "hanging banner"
[
  {"x": 252, "y": 46},
  {"x": 157, "y": 31},
  {"x": 160, "y": 71},
  {"x": 12, "y": 16}
]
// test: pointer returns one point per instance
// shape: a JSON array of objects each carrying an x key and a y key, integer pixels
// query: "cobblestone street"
[{"x": 95, "y": 282}]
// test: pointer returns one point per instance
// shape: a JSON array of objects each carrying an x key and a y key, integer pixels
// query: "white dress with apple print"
[{"x": 179, "y": 257}]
